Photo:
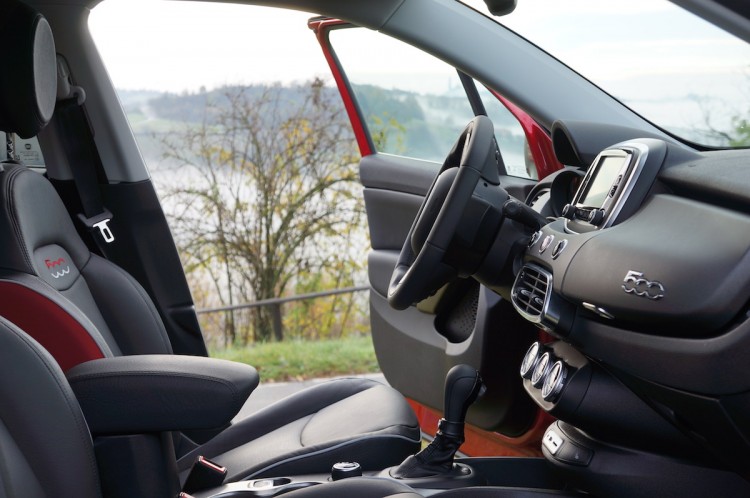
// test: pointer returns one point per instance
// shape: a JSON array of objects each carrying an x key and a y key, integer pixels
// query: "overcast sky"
[
  {"x": 174, "y": 46},
  {"x": 184, "y": 45},
  {"x": 653, "y": 50}
]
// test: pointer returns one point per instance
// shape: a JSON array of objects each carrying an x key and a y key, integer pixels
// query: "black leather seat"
[
  {"x": 46, "y": 449},
  {"x": 80, "y": 306},
  {"x": 45, "y": 445}
]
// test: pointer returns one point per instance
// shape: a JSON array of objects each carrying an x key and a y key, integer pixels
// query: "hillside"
[{"x": 427, "y": 124}]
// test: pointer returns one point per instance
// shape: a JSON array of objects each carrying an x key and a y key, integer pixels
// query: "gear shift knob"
[
  {"x": 462, "y": 387},
  {"x": 463, "y": 384}
]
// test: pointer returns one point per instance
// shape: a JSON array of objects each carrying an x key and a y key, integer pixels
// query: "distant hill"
[{"x": 433, "y": 121}]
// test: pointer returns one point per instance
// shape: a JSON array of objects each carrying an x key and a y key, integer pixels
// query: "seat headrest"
[{"x": 28, "y": 81}]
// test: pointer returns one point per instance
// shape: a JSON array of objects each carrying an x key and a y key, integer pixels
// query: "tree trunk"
[
  {"x": 278, "y": 327},
  {"x": 262, "y": 331}
]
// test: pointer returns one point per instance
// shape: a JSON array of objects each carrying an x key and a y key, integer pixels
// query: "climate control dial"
[
  {"x": 554, "y": 381},
  {"x": 531, "y": 359},
  {"x": 541, "y": 369}
]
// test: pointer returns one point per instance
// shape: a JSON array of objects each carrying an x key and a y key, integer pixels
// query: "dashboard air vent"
[{"x": 531, "y": 291}]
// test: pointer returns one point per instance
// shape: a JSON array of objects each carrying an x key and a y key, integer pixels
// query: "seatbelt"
[{"x": 77, "y": 140}]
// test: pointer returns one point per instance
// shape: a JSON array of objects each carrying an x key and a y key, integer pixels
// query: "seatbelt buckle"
[
  {"x": 204, "y": 474},
  {"x": 100, "y": 224}
]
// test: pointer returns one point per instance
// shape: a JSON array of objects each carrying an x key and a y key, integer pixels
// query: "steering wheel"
[{"x": 457, "y": 221}]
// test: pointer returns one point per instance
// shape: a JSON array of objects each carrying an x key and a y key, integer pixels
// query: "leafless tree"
[{"x": 268, "y": 195}]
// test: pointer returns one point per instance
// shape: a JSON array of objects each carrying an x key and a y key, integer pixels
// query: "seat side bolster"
[
  {"x": 52, "y": 321},
  {"x": 44, "y": 417},
  {"x": 126, "y": 307}
]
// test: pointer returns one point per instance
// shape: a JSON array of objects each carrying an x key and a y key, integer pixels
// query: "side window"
[
  {"x": 414, "y": 104},
  {"x": 510, "y": 136},
  {"x": 252, "y": 155}
]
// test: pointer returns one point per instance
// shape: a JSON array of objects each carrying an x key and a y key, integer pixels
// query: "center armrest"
[{"x": 153, "y": 393}]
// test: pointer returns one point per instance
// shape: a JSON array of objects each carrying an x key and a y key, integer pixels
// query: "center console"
[{"x": 534, "y": 475}]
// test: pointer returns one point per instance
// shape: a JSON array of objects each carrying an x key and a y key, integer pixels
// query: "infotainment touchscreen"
[
  {"x": 606, "y": 188},
  {"x": 604, "y": 177}
]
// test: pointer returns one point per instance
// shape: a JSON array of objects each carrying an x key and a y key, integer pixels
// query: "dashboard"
[
  {"x": 630, "y": 253},
  {"x": 642, "y": 276}
]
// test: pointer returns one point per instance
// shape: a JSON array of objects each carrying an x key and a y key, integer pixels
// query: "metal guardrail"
[{"x": 281, "y": 300}]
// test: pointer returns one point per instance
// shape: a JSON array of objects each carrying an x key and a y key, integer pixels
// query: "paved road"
[{"x": 269, "y": 392}]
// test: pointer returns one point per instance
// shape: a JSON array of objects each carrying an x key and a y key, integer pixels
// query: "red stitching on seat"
[{"x": 49, "y": 324}]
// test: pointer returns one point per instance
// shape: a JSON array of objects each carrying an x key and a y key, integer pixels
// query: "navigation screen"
[{"x": 604, "y": 177}]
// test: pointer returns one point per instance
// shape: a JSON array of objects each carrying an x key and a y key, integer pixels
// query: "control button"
[
  {"x": 540, "y": 370},
  {"x": 534, "y": 238},
  {"x": 613, "y": 190},
  {"x": 598, "y": 310},
  {"x": 569, "y": 211},
  {"x": 344, "y": 470},
  {"x": 559, "y": 248},
  {"x": 582, "y": 213},
  {"x": 546, "y": 243},
  {"x": 577, "y": 455},
  {"x": 552, "y": 441},
  {"x": 555, "y": 381},
  {"x": 596, "y": 217},
  {"x": 264, "y": 484},
  {"x": 529, "y": 361}
]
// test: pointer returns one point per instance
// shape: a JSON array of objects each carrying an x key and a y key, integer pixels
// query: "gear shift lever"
[{"x": 463, "y": 385}]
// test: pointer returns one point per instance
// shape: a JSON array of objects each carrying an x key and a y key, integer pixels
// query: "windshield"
[{"x": 671, "y": 67}]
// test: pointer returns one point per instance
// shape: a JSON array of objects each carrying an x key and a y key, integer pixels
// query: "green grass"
[{"x": 300, "y": 360}]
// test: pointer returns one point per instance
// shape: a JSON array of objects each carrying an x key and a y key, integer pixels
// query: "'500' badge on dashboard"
[{"x": 635, "y": 283}]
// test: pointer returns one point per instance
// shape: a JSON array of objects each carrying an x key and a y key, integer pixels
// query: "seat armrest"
[{"x": 152, "y": 393}]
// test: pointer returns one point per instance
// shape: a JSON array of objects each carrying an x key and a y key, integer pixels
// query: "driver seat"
[{"x": 80, "y": 306}]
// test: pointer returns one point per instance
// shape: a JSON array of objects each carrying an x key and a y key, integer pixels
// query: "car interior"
[{"x": 607, "y": 300}]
